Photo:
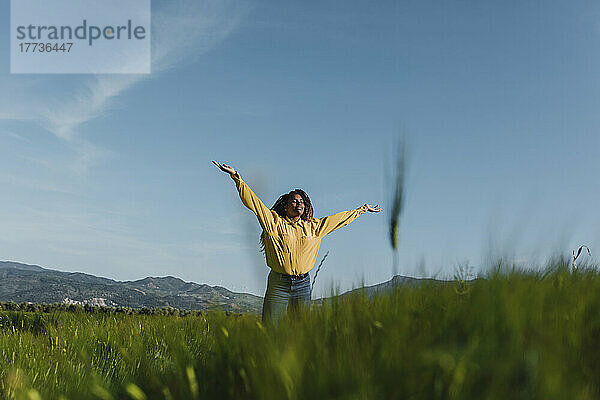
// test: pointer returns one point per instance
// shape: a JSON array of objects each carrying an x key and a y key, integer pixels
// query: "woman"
[{"x": 290, "y": 241}]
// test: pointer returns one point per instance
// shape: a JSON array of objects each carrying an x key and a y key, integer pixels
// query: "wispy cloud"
[
  {"x": 182, "y": 30},
  {"x": 14, "y": 135},
  {"x": 10, "y": 181}
]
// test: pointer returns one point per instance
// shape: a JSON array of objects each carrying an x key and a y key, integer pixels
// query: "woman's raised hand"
[
  {"x": 375, "y": 209},
  {"x": 225, "y": 168}
]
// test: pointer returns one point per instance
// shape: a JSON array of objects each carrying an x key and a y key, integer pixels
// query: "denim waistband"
[{"x": 290, "y": 277}]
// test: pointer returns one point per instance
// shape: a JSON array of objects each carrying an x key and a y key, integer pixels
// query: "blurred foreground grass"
[{"x": 513, "y": 335}]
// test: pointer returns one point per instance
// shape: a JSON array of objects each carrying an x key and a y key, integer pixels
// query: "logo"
[{"x": 80, "y": 36}]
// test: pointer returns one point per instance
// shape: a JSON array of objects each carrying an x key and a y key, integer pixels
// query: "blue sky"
[{"x": 499, "y": 101}]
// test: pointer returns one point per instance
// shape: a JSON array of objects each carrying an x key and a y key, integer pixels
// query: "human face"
[{"x": 295, "y": 206}]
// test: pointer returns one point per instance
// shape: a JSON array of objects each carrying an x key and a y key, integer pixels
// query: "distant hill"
[
  {"x": 21, "y": 283},
  {"x": 31, "y": 283},
  {"x": 396, "y": 281}
]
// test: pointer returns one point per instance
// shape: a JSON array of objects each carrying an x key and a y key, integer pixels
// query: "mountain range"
[{"x": 22, "y": 283}]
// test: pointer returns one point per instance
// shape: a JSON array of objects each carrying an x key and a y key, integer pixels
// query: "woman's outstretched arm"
[
  {"x": 329, "y": 224},
  {"x": 266, "y": 217}
]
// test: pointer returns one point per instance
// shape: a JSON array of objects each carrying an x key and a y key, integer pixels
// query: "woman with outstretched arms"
[{"x": 290, "y": 239}]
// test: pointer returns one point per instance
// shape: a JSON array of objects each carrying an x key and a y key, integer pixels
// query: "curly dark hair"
[{"x": 279, "y": 208}]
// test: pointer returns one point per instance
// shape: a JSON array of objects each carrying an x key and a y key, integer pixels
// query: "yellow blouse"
[{"x": 291, "y": 248}]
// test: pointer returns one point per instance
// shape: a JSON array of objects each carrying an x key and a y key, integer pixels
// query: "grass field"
[{"x": 512, "y": 335}]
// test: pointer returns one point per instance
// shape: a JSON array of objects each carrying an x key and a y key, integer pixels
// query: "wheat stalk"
[
  {"x": 317, "y": 273},
  {"x": 575, "y": 256},
  {"x": 397, "y": 201}
]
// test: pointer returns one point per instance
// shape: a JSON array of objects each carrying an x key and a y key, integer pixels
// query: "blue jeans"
[{"x": 284, "y": 293}]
